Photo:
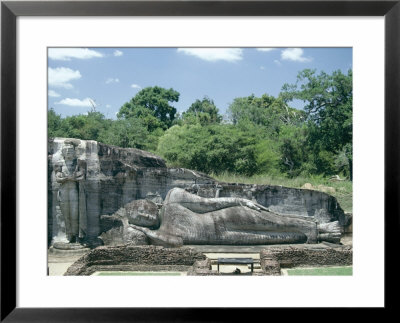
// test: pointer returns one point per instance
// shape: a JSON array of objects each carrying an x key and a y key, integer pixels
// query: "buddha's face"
[
  {"x": 143, "y": 213},
  {"x": 68, "y": 152},
  {"x": 144, "y": 220}
]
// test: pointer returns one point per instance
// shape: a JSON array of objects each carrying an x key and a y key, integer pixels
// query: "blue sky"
[{"x": 108, "y": 77}]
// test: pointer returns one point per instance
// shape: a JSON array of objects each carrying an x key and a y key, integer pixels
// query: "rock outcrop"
[
  {"x": 109, "y": 178},
  {"x": 279, "y": 199},
  {"x": 89, "y": 182}
]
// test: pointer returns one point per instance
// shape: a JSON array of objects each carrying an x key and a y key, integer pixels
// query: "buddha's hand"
[
  {"x": 142, "y": 229},
  {"x": 251, "y": 205}
]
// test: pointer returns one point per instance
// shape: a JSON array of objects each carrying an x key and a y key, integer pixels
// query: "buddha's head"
[
  {"x": 143, "y": 213},
  {"x": 68, "y": 152},
  {"x": 69, "y": 149}
]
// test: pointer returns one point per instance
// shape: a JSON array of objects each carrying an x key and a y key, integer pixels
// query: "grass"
[
  {"x": 322, "y": 271},
  {"x": 137, "y": 273},
  {"x": 343, "y": 189}
]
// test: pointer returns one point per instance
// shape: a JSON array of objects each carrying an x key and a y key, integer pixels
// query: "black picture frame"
[{"x": 10, "y": 10}]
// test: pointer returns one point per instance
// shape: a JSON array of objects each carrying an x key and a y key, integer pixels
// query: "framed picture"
[{"x": 29, "y": 28}]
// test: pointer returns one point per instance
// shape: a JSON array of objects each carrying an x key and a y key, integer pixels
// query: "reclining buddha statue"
[{"x": 188, "y": 219}]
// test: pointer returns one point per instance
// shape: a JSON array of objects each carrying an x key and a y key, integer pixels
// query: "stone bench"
[{"x": 236, "y": 261}]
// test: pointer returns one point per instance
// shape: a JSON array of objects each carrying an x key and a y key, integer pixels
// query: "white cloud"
[
  {"x": 61, "y": 76},
  {"x": 112, "y": 80},
  {"x": 108, "y": 106},
  {"x": 294, "y": 54},
  {"x": 118, "y": 53},
  {"x": 214, "y": 54},
  {"x": 65, "y": 54},
  {"x": 265, "y": 49},
  {"x": 262, "y": 67},
  {"x": 53, "y": 94},
  {"x": 135, "y": 86},
  {"x": 277, "y": 62},
  {"x": 85, "y": 103}
]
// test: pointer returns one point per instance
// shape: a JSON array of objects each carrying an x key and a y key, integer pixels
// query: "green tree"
[
  {"x": 294, "y": 156},
  {"x": 86, "y": 127},
  {"x": 54, "y": 124},
  {"x": 328, "y": 104},
  {"x": 268, "y": 156},
  {"x": 125, "y": 133},
  {"x": 152, "y": 105},
  {"x": 214, "y": 148},
  {"x": 203, "y": 112},
  {"x": 267, "y": 111}
]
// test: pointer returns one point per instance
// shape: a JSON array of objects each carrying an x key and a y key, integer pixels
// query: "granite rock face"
[
  {"x": 102, "y": 179},
  {"x": 89, "y": 182},
  {"x": 280, "y": 200}
]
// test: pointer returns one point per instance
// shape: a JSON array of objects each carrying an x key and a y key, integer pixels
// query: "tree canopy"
[
  {"x": 263, "y": 135},
  {"x": 329, "y": 108},
  {"x": 203, "y": 112},
  {"x": 152, "y": 105},
  {"x": 266, "y": 111},
  {"x": 210, "y": 148}
]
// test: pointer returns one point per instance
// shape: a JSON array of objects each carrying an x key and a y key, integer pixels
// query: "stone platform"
[
  {"x": 256, "y": 248},
  {"x": 60, "y": 260},
  {"x": 65, "y": 253}
]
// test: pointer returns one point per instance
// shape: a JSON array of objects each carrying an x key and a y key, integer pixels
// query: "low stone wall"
[
  {"x": 270, "y": 266},
  {"x": 130, "y": 258},
  {"x": 273, "y": 259},
  {"x": 202, "y": 268}
]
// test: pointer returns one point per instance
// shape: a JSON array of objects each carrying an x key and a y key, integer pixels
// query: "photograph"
[
  {"x": 179, "y": 161},
  {"x": 200, "y": 161}
]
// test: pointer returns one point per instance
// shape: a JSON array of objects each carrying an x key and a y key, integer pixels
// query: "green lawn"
[
  {"x": 137, "y": 273},
  {"x": 322, "y": 271}
]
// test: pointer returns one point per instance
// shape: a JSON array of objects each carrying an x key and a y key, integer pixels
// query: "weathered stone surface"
[
  {"x": 202, "y": 268},
  {"x": 66, "y": 254},
  {"x": 322, "y": 188},
  {"x": 281, "y": 200},
  {"x": 116, "y": 230},
  {"x": 202, "y": 272},
  {"x": 348, "y": 228},
  {"x": 101, "y": 179},
  {"x": 121, "y": 236},
  {"x": 113, "y": 237},
  {"x": 68, "y": 246},
  {"x": 206, "y": 264},
  {"x": 330, "y": 232},
  {"x": 129, "y": 257},
  {"x": 188, "y": 219},
  {"x": 147, "y": 209},
  {"x": 270, "y": 266}
]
